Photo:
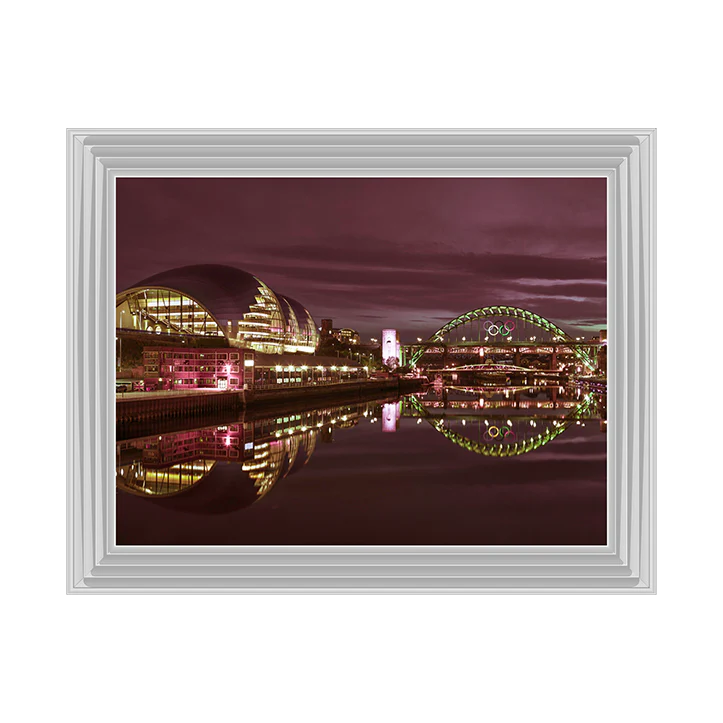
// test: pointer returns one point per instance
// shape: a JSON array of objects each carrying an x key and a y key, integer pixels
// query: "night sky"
[{"x": 405, "y": 253}]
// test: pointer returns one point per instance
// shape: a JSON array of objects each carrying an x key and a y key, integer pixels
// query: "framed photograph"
[{"x": 361, "y": 361}]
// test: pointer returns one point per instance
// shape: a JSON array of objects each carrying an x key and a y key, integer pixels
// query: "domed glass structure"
[{"x": 217, "y": 301}]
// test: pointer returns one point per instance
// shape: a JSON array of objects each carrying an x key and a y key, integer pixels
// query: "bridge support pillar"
[
  {"x": 518, "y": 358},
  {"x": 553, "y": 360}
]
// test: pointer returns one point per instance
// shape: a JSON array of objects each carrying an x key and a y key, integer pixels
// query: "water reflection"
[
  {"x": 505, "y": 421},
  {"x": 263, "y": 450},
  {"x": 366, "y": 489}
]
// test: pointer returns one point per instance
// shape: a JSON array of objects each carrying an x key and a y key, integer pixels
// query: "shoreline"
[{"x": 139, "y": 411}]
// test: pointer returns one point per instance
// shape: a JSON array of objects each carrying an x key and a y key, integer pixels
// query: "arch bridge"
[{"x": 504, "y": 328}]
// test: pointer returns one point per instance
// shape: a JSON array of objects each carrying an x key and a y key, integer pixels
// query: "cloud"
[{"x": 371, "y": 252}]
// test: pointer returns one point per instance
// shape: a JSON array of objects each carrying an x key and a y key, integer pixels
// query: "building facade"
[
  {"x": 179, "y": 369},
  {"x": 327, "y": 328},
  {"x": 217, "y": 301}
]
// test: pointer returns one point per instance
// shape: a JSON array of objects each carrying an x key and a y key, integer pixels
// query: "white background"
[{"x": 371, "y": 64}]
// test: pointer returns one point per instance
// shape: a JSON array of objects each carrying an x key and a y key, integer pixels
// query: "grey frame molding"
[{"x": 97, "y": 157}]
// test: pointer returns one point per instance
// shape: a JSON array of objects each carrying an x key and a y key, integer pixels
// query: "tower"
[{"x": 391, "y": 349}]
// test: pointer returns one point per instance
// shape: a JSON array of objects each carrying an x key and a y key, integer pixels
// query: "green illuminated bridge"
[{"x": 505, "y": 329}]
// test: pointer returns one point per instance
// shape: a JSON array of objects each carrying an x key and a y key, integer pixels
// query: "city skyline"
[{"x": 373, "y": 253}]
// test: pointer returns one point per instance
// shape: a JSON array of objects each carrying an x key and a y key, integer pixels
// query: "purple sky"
[{"x": 405, "y": 253}]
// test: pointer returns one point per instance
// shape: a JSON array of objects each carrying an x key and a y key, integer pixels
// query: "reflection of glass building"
[
  {"x": 168, "y": 465},
  {"x": 217, "y": 301},
  {"x": 225, "y": 468}
]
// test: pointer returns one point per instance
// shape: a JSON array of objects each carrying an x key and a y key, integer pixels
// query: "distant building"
[
  {"x": 327, "y": 328},
  {"x": 343, "y": 336},
  {"x": 347, "y": 336}
]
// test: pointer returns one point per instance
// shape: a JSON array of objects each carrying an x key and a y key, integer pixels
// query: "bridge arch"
[
  {"x": 514, "y": 313},
  {"x": 506, "y": 445}
]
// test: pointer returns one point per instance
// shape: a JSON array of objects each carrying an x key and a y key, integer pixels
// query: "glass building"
[{"x": 217, "y": 301}]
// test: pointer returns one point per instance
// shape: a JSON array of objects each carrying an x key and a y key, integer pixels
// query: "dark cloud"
[{"x": 371, "y": 253}]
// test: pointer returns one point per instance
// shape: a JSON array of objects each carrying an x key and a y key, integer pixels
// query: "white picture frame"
[{"x": 96, "y": 158}]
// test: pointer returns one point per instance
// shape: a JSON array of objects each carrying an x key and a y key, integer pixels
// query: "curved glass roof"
[
  {"x": 242, "y": 308},
  {"x": 227, "y": 292}
]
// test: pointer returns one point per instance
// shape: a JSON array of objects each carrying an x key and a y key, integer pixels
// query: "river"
[{"x": 452, "y": 466}]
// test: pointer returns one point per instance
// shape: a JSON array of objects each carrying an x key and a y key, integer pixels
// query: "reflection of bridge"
[
  {"x": 501, "y": 435},
  {"x": 504, "y": 330}
]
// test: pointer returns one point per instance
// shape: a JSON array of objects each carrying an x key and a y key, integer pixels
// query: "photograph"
[{"x": 361, "y": 361}]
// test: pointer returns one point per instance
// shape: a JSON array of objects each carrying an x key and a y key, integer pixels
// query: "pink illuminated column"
[
  {"x": 390, "y": 416},
  {"x": 391, "y": 348}
]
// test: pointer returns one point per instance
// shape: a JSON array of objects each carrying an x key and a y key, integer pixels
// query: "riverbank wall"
[{"x": 141, "y": 408}]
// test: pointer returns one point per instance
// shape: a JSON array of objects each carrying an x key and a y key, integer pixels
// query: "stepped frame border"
[{"x": 625, "y": 157}]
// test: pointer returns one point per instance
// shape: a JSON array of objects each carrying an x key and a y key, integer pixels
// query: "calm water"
[{"x": 454, "y": 466}]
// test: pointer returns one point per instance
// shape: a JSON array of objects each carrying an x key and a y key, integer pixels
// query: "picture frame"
[{"x": 625, "y": 157}]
